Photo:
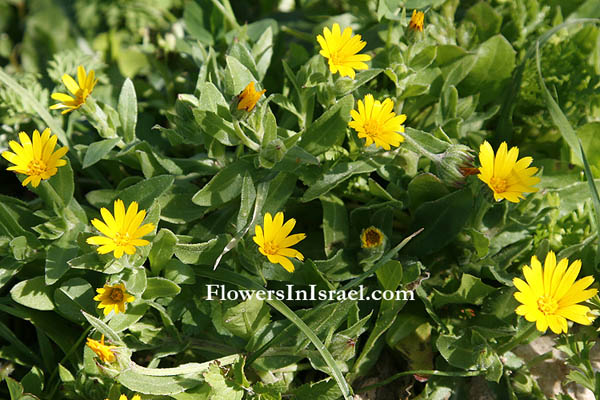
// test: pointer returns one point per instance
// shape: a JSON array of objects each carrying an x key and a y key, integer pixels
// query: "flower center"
[
  {"x": 547, "y": 305},
  {"x": 498, "y": 184},
  {"x": 335, "y": 58},
  {"x": 116, "y": 295},
  {"x": 122, "y": 239},
  {"x": 371, "y": 127},
  {"x": 36, "y": 167},
  {"x": 372, "y": 238},
  {"x": 270, "y": 248}
]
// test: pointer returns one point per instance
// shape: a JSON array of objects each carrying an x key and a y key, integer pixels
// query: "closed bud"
[{"x": 455, "y": 164}]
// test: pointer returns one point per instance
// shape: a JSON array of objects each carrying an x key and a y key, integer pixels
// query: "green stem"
[
  {"x": 420, "y": 149},
  {"x": 185, "y": 369},
  {"x": 245, "y": 139},
  {"x": 517, "y": 340},
  {"x": 432, "y": 372}
]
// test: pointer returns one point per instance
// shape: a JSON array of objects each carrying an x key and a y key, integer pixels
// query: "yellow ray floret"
[
  {"x": 550, "y": 295},
  {"x": 249, "y": 97},
  {"x": 417, "y": 21},
  {"x": 274, "y": 242},
  {"x": 79, "y": 89},
  {"x": 377, "y": 123},
  {"x": 508, "y": 177},
  {"x": 113, "y": 297},
  {"x": 35, "y": 158},
  {"x": 123, "y": 231},
  {"x": 104, "y": 352},
  {"x": 341, "y": 50}
]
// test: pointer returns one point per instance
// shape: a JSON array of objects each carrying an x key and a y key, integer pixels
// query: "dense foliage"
[{"x": 195, "y": 130}]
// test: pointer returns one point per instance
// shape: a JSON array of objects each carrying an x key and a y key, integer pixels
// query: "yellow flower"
[
  {"x": 103, "y": 351},
  {"x": 275, "y": 242},
  {"x": 506, "y": 176},
  {"x": 36, "y": 158},
  {"x": 371, "y": 237},
  {"x": 113, "y": 297},
  {"x": 123, "y": 397},
  {"x": 377, "y": 123},
  {"x": 340, "y": 49},
  {"x": 123, "y": 231},
  {"x": 249, "y": 97},
  {"x": 550, "y": 295},
  {"x": 416, "y": 21},
  {"x": 80, "y": 90}
]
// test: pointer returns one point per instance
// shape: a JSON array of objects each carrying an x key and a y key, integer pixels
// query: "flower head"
[
  {"x": 506, "y": 176},
  {"x": 377, "y": 123},
  {"x": 340, "y": 50},
  {"x": 80, "y": 90},
  {"x": 123, "y": 231},
  {"x": 550, "y": 295},
  {"x": 274, "y": 242},
  {"x": 36, "y": 158},
  {"x": 136, "y": 397},
  {"x": 454, "y": 164},
  {"x": 416, "y": 21},
  {"x": 103, "y": 351},
  {"x": 371, "y": 238},
  {"x": 113, "y": 297},
  {"x": 249, "y": 97}
]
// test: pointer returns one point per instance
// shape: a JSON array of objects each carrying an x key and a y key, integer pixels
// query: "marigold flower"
[
  {"x": 80, "y": 90},
  {"x": 123, "y": 231},
  {"x": 506, "y": 176},
  {"x": 416, "y": 21},
  {"x": 36, "y": 159},
  {"x": 371, "y": 238},
  {"x": 340, "y": 50},
  {"x": 550, "y": 295},
  {"x": 104, "y": 352},
  {"x": 113, "y": 297},
  {"x": 123, "y": 397},
  {"x": 249, "y": 97},
  {"x": 377, "y": 123},
  {"x": 274, "y": 243}
]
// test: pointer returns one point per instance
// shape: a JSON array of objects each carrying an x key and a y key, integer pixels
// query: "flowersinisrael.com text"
[{"x": 219, "y": 292}]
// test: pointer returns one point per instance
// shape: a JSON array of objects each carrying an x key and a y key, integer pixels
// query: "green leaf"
[
  {"x": 441, "y": 220},
  {"x": 471, "y": 291},
  {"x": 160, "y": 287},
  {"x": 335, "y": 223},
  {"x": 486, "y": 19},
  {"x": 221, "y": 388},
  {"x": 146, "y": 191},
  {"x": 97, "y": 150},
  {"x": 193, "y": 17},
  {"x": 33, "y": 381},
  {"x": 423, "y": 188},
  {"x": 104, "y": 329},
  {"x": 216, "y": 127},
  {"x": 179, "y": 273},
  {"x": 334, "y": 121},
  {"x": 57, "y": 257},
  {"x": 128, "y": 110},
  {"x": 247, "y": 318},
  {"x": 237, "y": 76},
  {"x": 156, "y": 385},
  {"x": 201, "y": 253},
  {"x": 73, "y": 296},
  {"x": 336, "y": 175},
  {"x": 492, "y": 70},
  {"x": 163, "y": 248},
  {"x": 58, "y": 190},
  {"x": 225, "y": 186},
  {"x": 135, "y": 311},
  {"x": 33, "y": 293}
]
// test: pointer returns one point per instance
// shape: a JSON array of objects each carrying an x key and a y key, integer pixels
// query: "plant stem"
[
  {"x": 517, "y": 340},
  {"x": 245, "y": 139}
]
